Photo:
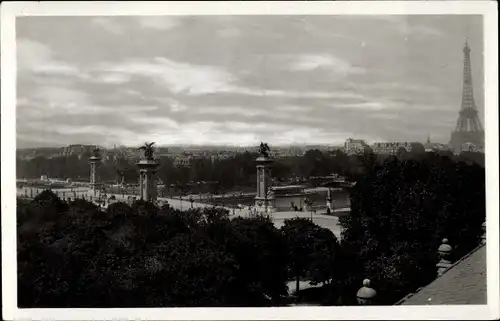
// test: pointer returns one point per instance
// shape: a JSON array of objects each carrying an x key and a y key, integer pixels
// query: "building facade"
[
  {"x": 355, "y": 146},
  {"x": 391, "y": 148}
]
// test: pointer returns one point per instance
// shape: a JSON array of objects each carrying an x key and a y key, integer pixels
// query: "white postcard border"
[{"x": 8, "y": 142}]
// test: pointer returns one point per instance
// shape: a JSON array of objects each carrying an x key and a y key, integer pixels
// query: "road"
[{"x": 327, "y": 221}]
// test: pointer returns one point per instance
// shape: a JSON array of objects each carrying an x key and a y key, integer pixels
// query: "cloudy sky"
[{"x": 239, "y": 80}]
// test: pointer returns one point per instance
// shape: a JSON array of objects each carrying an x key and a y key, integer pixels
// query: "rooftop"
[{"x": 464, "y": 283}]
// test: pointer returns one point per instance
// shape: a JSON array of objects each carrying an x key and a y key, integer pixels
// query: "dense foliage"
[
  {"x": 312, "y": 251},
  {"x": 75, "y": 255},
  {"x": 235, "y": 172},
  {"x": 401, "y": 211}
]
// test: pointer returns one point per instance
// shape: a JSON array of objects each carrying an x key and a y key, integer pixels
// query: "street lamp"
[{"x": 309, "y": 204}]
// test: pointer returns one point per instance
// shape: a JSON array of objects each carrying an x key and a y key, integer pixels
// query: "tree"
[
  {"x": 399, "y": 215},
  {"x": 417, "y": 148},
  {"x": 261, "y": 255},
  {"x": 472, "y": 157},
  {"x": 401, "y": 152},
  {"x": 311, "y": 250},
  {"x": 323, "y": 260},
  {"x": 142, "y": 256},
  {"x": 196, "y": 272}
]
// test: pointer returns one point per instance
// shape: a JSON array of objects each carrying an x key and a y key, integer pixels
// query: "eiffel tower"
[{"x": 468, "y": 128}]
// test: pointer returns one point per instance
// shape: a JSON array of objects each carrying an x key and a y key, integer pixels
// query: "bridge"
[{"x": 183, "y": 204}]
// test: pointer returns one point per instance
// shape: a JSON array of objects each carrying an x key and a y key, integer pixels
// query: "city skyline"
[{"x": 239, "y": 80}]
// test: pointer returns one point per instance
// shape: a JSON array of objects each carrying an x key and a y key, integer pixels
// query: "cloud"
[
  {"x": 112, "y": 78},
  {"x": 293, "y": 108},
  {"x": 232, "y": 110},
  {"x": 423, "y": 30},
  {"x": 161, "y": 23},
  {"x": 405, "y": 25},
  {"x": 31, "y": 54},
  {"x": 58, "y": 68},
  {"x": 326, "y": 62},
  {"x": 177, "y": 76},
  {"x": 195, "y": 80},
  {"x": 418, "y": 88},
  {"x": 228, "y": 32},
  {"x": 109, "y": 24},
  {"x": 196, "y": 132},
  {"x": 386, "y": 116},
  {"x": 176, "y": 106},
  {"x": 279, "y": 116},
  {"x": 48, "y": 101},
  {"x": 304, "y": 135},
  {"x": 231, "y": 81},
  {"x": 59, "y": 99},
  {"x": 261, "y": 127},
  {"x": 36, "y": 58},
  {"x": 164, "y": 122},
  {"x": 369, "y": 105}
]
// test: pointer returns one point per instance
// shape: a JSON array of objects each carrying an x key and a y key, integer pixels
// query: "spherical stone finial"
[
  {"x": 483, "y": 237},
  {"x": 445, "y": 250},
  {"x": 445, "y": 247},
  {"x": 366, "y": 294}
]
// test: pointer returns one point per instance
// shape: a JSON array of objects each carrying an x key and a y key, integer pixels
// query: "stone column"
[
  {"x": 141, "y": 185},
  {"x": 445, "y": 257},
  {"x": 366, "y": 294},
  {"x": 95, "y": 162},
  {"x": 264, "y": 201},
  {"x": 147, "y": 180}
]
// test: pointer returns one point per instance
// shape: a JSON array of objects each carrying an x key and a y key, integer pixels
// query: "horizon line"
[{"x": 228, "y": 145}]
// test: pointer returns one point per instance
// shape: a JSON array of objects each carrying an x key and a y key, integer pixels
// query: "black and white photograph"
[{"x": 273, "y": 158}]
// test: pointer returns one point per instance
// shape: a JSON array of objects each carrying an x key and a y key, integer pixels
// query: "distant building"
[
  {"x": 355, "y": 146},
  {"x": 391, "y": 148},
  {"x": 431, "y": 147},
  {"x": 469, "y": 147},
  {"x": 77, "y": 150},
  {"x": 187, "y": 160},
  {"x": 428, "y": 146},
  {"x": 182, "y": 161}
]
